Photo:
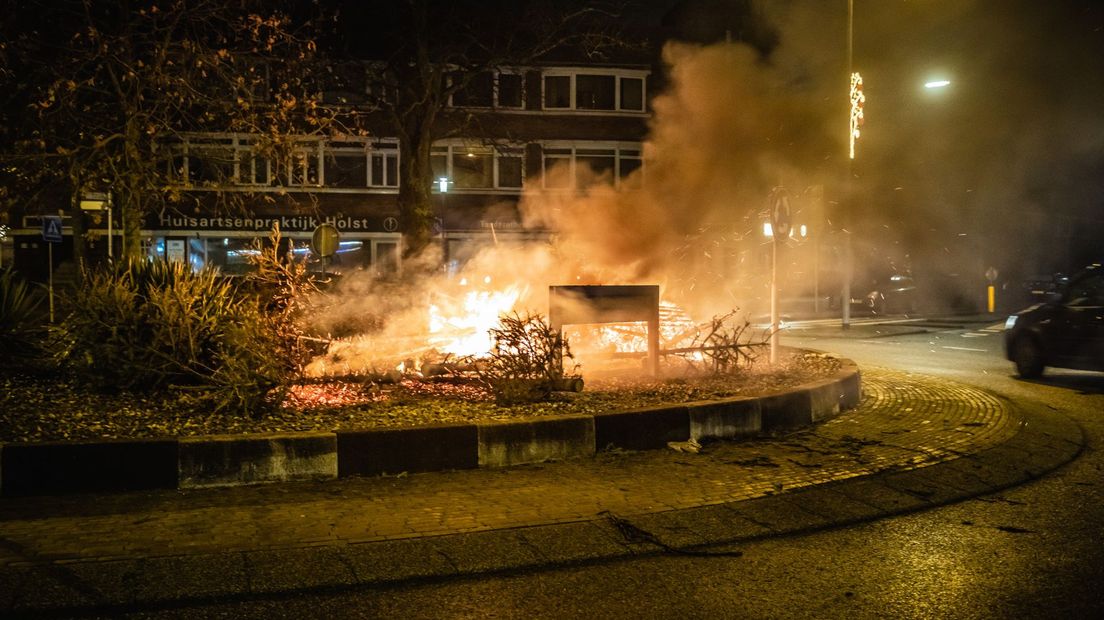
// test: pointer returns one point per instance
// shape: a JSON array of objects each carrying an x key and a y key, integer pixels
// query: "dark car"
[
  {"x": 1066, "y": 331},
  {"x": 893, "y": 294}
]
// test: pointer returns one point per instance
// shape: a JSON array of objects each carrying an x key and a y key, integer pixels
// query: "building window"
[
  {"x": 303, "y": 164},
  {"x": 595, "y": 92},
  {"x": 205, "y": 161},
  {"x": 575, "y": 165},
  {"x": 359, "y": 164},
  {"x": 510, "y": 168},
  {"x": 473, "y": 168},
  {"x": 477, "y": 166},
  {"x": 346, "y": 165},
  {"x": 557, "y": 91},
  {"x": 632, "y": 94},
  {"x": 477, "y": 93},
  {"x": 607, "y": 91},
  {"x": 253, "y": 167},
  {"x": 558, "y": 168},
  {"x": 628, "y": 162},
  {"x": 385, "y": 166},
  {"x": 200, "y": 161},
  {"x": 488, "y": 89},
  {"x": 510, "y": 90}
]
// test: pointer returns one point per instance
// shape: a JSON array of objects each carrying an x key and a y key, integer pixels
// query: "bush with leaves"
[
  {"x": 21, "y": 320},
  {"x": 526, "y": 362},
  {"x": 149, "y": 325}
]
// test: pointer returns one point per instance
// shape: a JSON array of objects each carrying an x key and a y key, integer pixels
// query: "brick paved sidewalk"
[{"x": 904, "y": 422}]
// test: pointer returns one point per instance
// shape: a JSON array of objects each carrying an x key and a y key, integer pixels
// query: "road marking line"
[{"x": 967, "y": 349}]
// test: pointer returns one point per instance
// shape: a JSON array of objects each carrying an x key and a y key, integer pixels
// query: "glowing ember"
[{"x": 675, "y": 329}]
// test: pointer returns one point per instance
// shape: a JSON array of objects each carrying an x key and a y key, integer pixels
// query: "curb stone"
[
  {"x": 228, "y": 460},
  {"x": 1040, "y": 442}
]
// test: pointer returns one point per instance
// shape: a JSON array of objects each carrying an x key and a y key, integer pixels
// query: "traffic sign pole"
[
  {"x": 51, "y": 234},
  {"x": 780, "y": 227},
  {"x": 774, "y": 302}
]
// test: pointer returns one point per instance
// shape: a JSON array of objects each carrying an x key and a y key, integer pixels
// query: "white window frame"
[
  {"x": 496, "y": 101},
  {"x": 449, "y": 148},
  {"x": 306, "y": 151},
  {"x": 388, "y": 150},
  {"x": 369, "y": 148},
  {"x": 620, "y": 151},
  {"x": 616, "y": 74}
]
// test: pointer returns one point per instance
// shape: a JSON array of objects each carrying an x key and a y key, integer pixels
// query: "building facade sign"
[{"x": 260, "y": 223}]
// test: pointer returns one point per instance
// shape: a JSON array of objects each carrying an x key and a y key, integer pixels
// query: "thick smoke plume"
[{"x": 726, "y": 130}]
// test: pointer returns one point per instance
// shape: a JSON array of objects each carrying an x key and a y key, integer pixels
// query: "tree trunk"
[
  {"x": 416, "y": 212},
  {"x": 132, "y": 216},
  {"x": 76, "y": 216},
  {"x": 133, "y": 207}
]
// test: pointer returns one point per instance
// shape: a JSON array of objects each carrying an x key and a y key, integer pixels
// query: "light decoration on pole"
[{"x": 858, "y": 100}]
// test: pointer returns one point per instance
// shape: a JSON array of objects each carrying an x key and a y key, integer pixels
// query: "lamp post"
[{"x": 856, "y": 100}]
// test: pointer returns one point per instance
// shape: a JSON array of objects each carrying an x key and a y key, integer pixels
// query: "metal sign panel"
[
  {"x": 325, "y": 240},
  {"x": 51, "y": 228}
]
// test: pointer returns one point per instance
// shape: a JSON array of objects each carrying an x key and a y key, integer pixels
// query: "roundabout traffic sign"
[{"x": 780, "y": 212}]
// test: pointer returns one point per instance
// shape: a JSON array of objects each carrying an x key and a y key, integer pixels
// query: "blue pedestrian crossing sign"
[{"x": 51, "y": 228}]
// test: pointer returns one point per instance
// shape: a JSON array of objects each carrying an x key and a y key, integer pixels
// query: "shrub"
[
  {"x": 150, "y": 325},
  {"x": 21, "y": 324},
  {"x": 526, "y": 362}
]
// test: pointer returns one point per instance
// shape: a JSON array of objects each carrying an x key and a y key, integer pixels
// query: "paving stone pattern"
[{"x": 904, "y": 422}]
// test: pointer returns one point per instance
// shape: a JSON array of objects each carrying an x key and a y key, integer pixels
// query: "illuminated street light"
[
  {"x": 855, "y": 116},
  {"x": 937, "y": 83},
  {"x": 858, "y": 101}
]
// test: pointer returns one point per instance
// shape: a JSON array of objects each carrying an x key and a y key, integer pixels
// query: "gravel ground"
[{"x": 38, "y": 409}]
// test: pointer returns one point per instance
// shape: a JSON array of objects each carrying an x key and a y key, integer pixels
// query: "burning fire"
[
  {"x": 462, "y": 327},
  {"x": 457, "y": 323}
]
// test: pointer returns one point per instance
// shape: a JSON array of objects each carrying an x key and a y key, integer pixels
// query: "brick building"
[{"x": 508, "y": 129}]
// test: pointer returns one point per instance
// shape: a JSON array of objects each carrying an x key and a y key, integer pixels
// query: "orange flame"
[{"x": 462, "y": 326}]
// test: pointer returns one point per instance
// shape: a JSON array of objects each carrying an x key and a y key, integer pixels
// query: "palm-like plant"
[{"x": 21, "y": 322}]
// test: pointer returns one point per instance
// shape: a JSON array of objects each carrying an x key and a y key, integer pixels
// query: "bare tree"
[
  {"x": 430, "y": 50},
  {"x": 95, "y": 93}
]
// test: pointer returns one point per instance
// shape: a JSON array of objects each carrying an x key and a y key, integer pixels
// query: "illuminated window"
[
  {"x": 477, "y": 166},
  {"x": 472, "y": 167}
]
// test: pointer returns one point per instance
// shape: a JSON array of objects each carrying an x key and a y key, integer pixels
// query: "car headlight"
[{"x": 1010, "y": 322}]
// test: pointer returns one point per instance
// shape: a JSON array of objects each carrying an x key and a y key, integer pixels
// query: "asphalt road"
[{"x": 1030, "y": 552}]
